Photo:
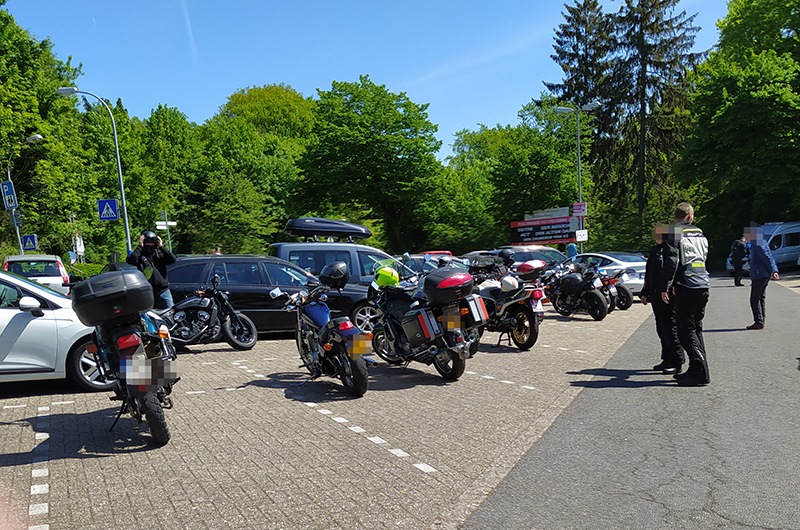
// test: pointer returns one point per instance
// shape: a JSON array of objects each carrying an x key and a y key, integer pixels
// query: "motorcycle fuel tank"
[
  {"x": 193, "y": 303},
  {"x": 318, "y": 313}
]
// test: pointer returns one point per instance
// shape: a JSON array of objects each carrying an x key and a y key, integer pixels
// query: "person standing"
[
  {"x": 672, "y": 355},
  {"x": 762, "y": 270},
  {"x": 738, "y": 254},
  {"x": 685, "y": 278},
  {"x": 152, "y": 259}
]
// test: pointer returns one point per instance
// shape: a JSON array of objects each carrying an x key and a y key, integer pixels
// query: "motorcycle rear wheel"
[
  {"x": 383, "y": 348},
  {"x": 154, "y": 414},
  {"x": 560, "y": 308},
  {"x": 624, "y": 297},
  {"x": 240, "y": 332},
  {"x": 526, "y": 331},
  {"x": 595, "y": 304},
  {"x": 452, "y": 368},
  {"x": 353, "y": 373}
]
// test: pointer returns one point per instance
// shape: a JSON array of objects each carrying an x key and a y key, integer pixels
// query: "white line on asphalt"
[
  {"x": 14, "y": 406},
  {"x": 581, "y": 351},
  {"x": 399, "y": 452},
  {"x": 42, "y": 436},
  {"x": 470, "y": 373},
  {"x": 425, "y": 467},
  {"x": 251, "y": 371},
  {"x": 240, "y": 361},
  {"x": 508, "y": 382},
  {"x": 271, "y": 359},
  {"x": 324, "y": 411},
  {"x": 488, "y": 377},
  {"x": 39, "y": 489},
  {"x": 38, "y": 509},
  {"x": 260, "y": 375},
  {"x": 357, "y": 429},
  {"x": 62, "y": 402},
  {"x": 40, "y": 473},
  {"x": 43, "y": 409},
  {"x": 376, "y": 440},
  {"x": 310, "y": 404},
  {"x": 528, "y": 387},
  {"x": 546, "y": 346},
  {"x": 563, "y": 349},
  {"x": 209, "y": 362},
  {"x": 40, "y": 527},
  {"x": 196, "y": 392},
  {"x": 339, "y": 419}
]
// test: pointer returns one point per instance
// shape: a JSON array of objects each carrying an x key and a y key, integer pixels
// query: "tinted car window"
[
  {"x": 368, "y": 260},
  {"x": 282, "y": 275},
  {"x": 9, "y": 295},
  {"x": 187, "y": 273},
  {"x": 776, "y": 242},
  {"x": 793, "y": 239}
]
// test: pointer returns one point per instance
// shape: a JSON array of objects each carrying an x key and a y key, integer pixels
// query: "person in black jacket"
[
  {"x": 672, "y": 354},
  {"x": 738, "y": 255},
  {"x": 152, "y": 259},
  {"x": 685, "y": 278}
]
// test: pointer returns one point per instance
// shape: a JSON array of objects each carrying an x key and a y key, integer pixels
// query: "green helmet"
[{"x": 386, "y": 276}]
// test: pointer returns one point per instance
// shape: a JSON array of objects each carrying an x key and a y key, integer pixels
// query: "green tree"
[{"x": 370, "y": 146}]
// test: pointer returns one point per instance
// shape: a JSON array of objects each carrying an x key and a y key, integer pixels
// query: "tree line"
[{"x": 719, "y": 129}]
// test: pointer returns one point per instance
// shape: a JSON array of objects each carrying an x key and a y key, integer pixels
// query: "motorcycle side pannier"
[
  {"x": 111, "y": 296},
  {"x": 420, "y": 326},
  {"x": 447, "y": 284},
  {"x": 477, "y": 315}
]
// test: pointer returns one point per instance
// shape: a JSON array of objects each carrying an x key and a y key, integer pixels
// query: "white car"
[
  {"x": 41, "y": 337},
  {"x": 43, "y": 268},
  {"x": 634, "y": 265}
]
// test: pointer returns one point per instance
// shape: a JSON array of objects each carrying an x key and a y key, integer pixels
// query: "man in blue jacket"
[{"x": 762, "y": 270}]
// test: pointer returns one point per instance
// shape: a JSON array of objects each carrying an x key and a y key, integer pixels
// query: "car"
[
  {"x": 43, "y": 268},
  {"x": 424, "y": 263},
  {"x": 611, "y": 262},
  {"x": 312, "y": 255},
  {"x": 249, "y": 278},
  {"x": 43, "y": 337},
  {"x": 523, "y": 253}
]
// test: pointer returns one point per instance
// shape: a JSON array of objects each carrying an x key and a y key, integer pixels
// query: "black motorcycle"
[
  {"x": 618, "y": 296},
  {"x": 208, "y": 316},
  {"x": 572, "y": 288},
  {"x": 332, "y": 347},
  {"x": 426, "y": 324},
  {"x": 131, "y": 347}
]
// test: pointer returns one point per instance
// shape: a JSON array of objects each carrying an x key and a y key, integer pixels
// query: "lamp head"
[
  {"x": 67, "y": 91},
  {"x": 34, "y": 139}
]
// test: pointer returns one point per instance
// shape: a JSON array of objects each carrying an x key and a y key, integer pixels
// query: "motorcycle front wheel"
[
  {"x": 154, "y": 414},
  {"x": 383, "y": 348},
  {"x": 624, "y": 297},
  {"x": 353, "y": 373},
  {"x": 526, "y": 327},
  {"x": 560, "y": 307},
  {"x": 595, "y": 304},
  {"x": 449, "y": 364},
  {"x": 240, "y": 332}
]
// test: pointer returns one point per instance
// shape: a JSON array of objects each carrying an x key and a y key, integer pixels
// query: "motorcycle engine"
[{"x": 189, "y": 325}]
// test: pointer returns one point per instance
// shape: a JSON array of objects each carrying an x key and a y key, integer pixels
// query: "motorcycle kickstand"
[
  {"x": 119, "y": 415},
  {"x": 404, "y": 367},
  {"x": 500, "y": 338},
  {"x": 311, "y": 377}
]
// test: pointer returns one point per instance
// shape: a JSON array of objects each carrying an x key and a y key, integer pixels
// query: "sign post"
[{"x": 164, "y": 225}]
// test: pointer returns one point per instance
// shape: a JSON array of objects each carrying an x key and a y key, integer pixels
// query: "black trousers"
[
  {"x": 667, "y": 329},
  {"x": 758, "y": 299},
  {"x": 691, "y": 308},
  {"x": 737, "y": 274}
]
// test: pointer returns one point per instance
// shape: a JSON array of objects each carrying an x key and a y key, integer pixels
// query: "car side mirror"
[
  {"x": 275, "y": 293},
  {"x": 31, "y": 305}
]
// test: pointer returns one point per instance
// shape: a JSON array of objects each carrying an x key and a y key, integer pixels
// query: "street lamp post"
[
  {"x": 565, "y": 110},
  {"x": 70, "y": 90},
  {"x": 33, "y": 139}
]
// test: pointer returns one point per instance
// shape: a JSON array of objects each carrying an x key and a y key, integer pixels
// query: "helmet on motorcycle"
[
  {"x": 335, "y": 275},
  {"x": 508, "y": 283},
  {"x": 386, "y": 276},
  {"x": 507, "y": 255}
]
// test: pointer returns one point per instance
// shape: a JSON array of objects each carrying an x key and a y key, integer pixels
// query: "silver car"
[
  {"x": 633, "y": 264},
  {"x": 41, "y": 336},
  {"x": 43, "y": 268}
]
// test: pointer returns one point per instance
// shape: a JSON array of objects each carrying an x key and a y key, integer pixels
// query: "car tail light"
[
  {"x": 63, "y": 271},
  {"x": 5, "y": 265}
]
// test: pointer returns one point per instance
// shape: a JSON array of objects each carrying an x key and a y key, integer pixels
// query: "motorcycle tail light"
[
  {"x": 347, "y": 324},
  {"x": 537, "y": 294},
  {"x": 464, "y": 311},
  {"x": 128, "y": 344},
  {"x": 327, "y": 346}
]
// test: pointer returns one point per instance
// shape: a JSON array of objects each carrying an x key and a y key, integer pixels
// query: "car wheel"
[
  {"x": 83, "y": 370},
  {"x": 362, "y": 316}
]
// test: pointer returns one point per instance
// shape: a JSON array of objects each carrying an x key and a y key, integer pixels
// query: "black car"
[{"x": 249, "y": 279}]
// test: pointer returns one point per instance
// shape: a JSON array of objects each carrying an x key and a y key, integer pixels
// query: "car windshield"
[
  {"x": 43, "y": 287},
  {"x": 401, "y": 269},
  {"x": 625, "y": 256}
]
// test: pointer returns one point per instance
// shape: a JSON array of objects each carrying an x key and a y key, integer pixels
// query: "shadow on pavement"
[
  {"x": 620, "y": 379},
  {"x": 47, "y": 387}
]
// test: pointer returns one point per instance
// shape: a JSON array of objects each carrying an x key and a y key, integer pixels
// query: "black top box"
[
  {"x": 112, "y": 296},
  {"x": 318, "y": 226}
]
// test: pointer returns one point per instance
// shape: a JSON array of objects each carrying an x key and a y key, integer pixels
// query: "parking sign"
[{"x": 9, "y": 196}]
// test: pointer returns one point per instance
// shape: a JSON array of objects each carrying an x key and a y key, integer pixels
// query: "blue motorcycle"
[{"x": 332, "y": 347}]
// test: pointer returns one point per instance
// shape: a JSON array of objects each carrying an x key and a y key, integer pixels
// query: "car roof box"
[{"x": 315, "y": 227}]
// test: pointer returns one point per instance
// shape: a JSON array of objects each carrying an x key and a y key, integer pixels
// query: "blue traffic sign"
[
  {"x": 30, "y": 242},
  {"x": 9, "y": 196},
  {"x": 108, "y": 209}
]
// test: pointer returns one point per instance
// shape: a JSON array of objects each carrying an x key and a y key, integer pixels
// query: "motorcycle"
[
  {"x": 131, "y": 346},
  {"x": 208, "y": 316},
  {"x": 618, "y": 296},
  {"x": 332, "y": 347},
  {"x": 431, "y": 324},
  {"x": 514, "y": 307},
  {"x": 571, "y": 288}
]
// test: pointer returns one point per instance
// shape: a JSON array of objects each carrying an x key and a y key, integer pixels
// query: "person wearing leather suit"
[
  {"x": 686, "y": 278},
  {"x": 152, "y": 258}
]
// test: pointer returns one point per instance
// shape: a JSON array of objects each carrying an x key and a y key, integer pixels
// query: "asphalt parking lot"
[{"x": 252, "y": 448}]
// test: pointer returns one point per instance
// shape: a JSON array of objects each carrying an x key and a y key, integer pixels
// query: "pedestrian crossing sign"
[
  {"x": 30, "y": 242},
  {"x": 108, "y": 209}
]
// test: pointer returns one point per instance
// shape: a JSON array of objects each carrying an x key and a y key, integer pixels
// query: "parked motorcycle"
[
  {"x": 514, "y": 306},
  {"x": 571, "y": 288},
  {"x": 426, "y": 324},
  {"x": 618, "y": 295},
  {"x": 132, "y": 345},
  {"x": 332, "y": 347},
  {"x": 207, "y": 317}
]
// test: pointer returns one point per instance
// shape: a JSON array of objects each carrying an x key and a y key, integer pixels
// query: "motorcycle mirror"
[
  {"x": 215, "y": 280},
  {"x": 427, "y": 257},
  {"x": 323, "y": 297},
  {"x": 406, "y": 256},
  {"x": 276, "y": 293}
]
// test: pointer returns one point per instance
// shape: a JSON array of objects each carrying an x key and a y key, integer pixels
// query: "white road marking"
[
  {"x": 376, "y": 440},
  {"x": 42, "y": 436},
  {"x": 43, "y": 409},
  {"x": 39, "y": 489},
  {"x": 563, "y": 349},
  {"x": 40, "y": 473},
  {"x": 209, "y": 362},
  {"x": 309, "y": 404},
  {"x": 260, "y": 375},
  {"x": 340, "y": 420},
  {"x": 324, "y": 411},
  {"x": 508, "y": 382},
  {"x": 546, "y": 346},
  {"x": 528, "y": 387},
  {"x": 425, "y": 468},
  {"x": 14, "y": 406},
  {"x": 251, "y": 371},
  {"x": 470, "y": 373},
  {"x": 196, "y": 392},
  {"x": 488, "y": 377},
  {"x": 581, "y": 351},
  {"x": 399, "y": 452},
  {"x": 40, "y": 527},
  {"x": 357, "y": 429},
  {"x": 62, "y": 402},
  {"x": 38, "y": 509}
]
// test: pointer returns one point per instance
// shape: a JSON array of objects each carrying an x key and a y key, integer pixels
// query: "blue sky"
[{"x": 473, "y": 62}]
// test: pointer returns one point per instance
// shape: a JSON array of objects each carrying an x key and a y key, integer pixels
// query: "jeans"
[
  {"x": 164, "y": 300},
  {"x": 758, "y": 299}
]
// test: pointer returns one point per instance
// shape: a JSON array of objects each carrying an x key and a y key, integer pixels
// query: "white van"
[{"x": 783, "y": 240}]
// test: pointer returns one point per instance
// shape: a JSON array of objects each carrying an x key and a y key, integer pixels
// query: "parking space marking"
[
  {"x": 357, "y": 429},
  {"x": 40, "y": 473},
  {"x": 40, "y": 527},
  {"x": 399, "y": 453},
  {"x": 376, "y": 440},
  {"x": 39, "y": 489},
  {"x": 62, "y": 402},
  {"x": 339, "y": 419},
  {"x": 14, "y": 406},
  {"x": 190, "y": 392},
  {"x": 39, "y": 509},
  {"x": 425, "y": 468}
]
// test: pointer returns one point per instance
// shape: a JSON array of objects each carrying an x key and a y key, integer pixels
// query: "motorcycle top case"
[
  {"x": 420, "y": 326},
  {"x": 111, "y": 296},
  {"x": 446, "y": 285}
]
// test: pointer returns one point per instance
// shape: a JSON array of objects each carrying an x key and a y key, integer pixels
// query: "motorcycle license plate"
[
  {"x": 536, "y": 305},
  {"x": 141, "y": 371},
  {"x": 359, "y": 344},
  {"x": 612, "y": 289},
  {"x": 597, "y": 283}
]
